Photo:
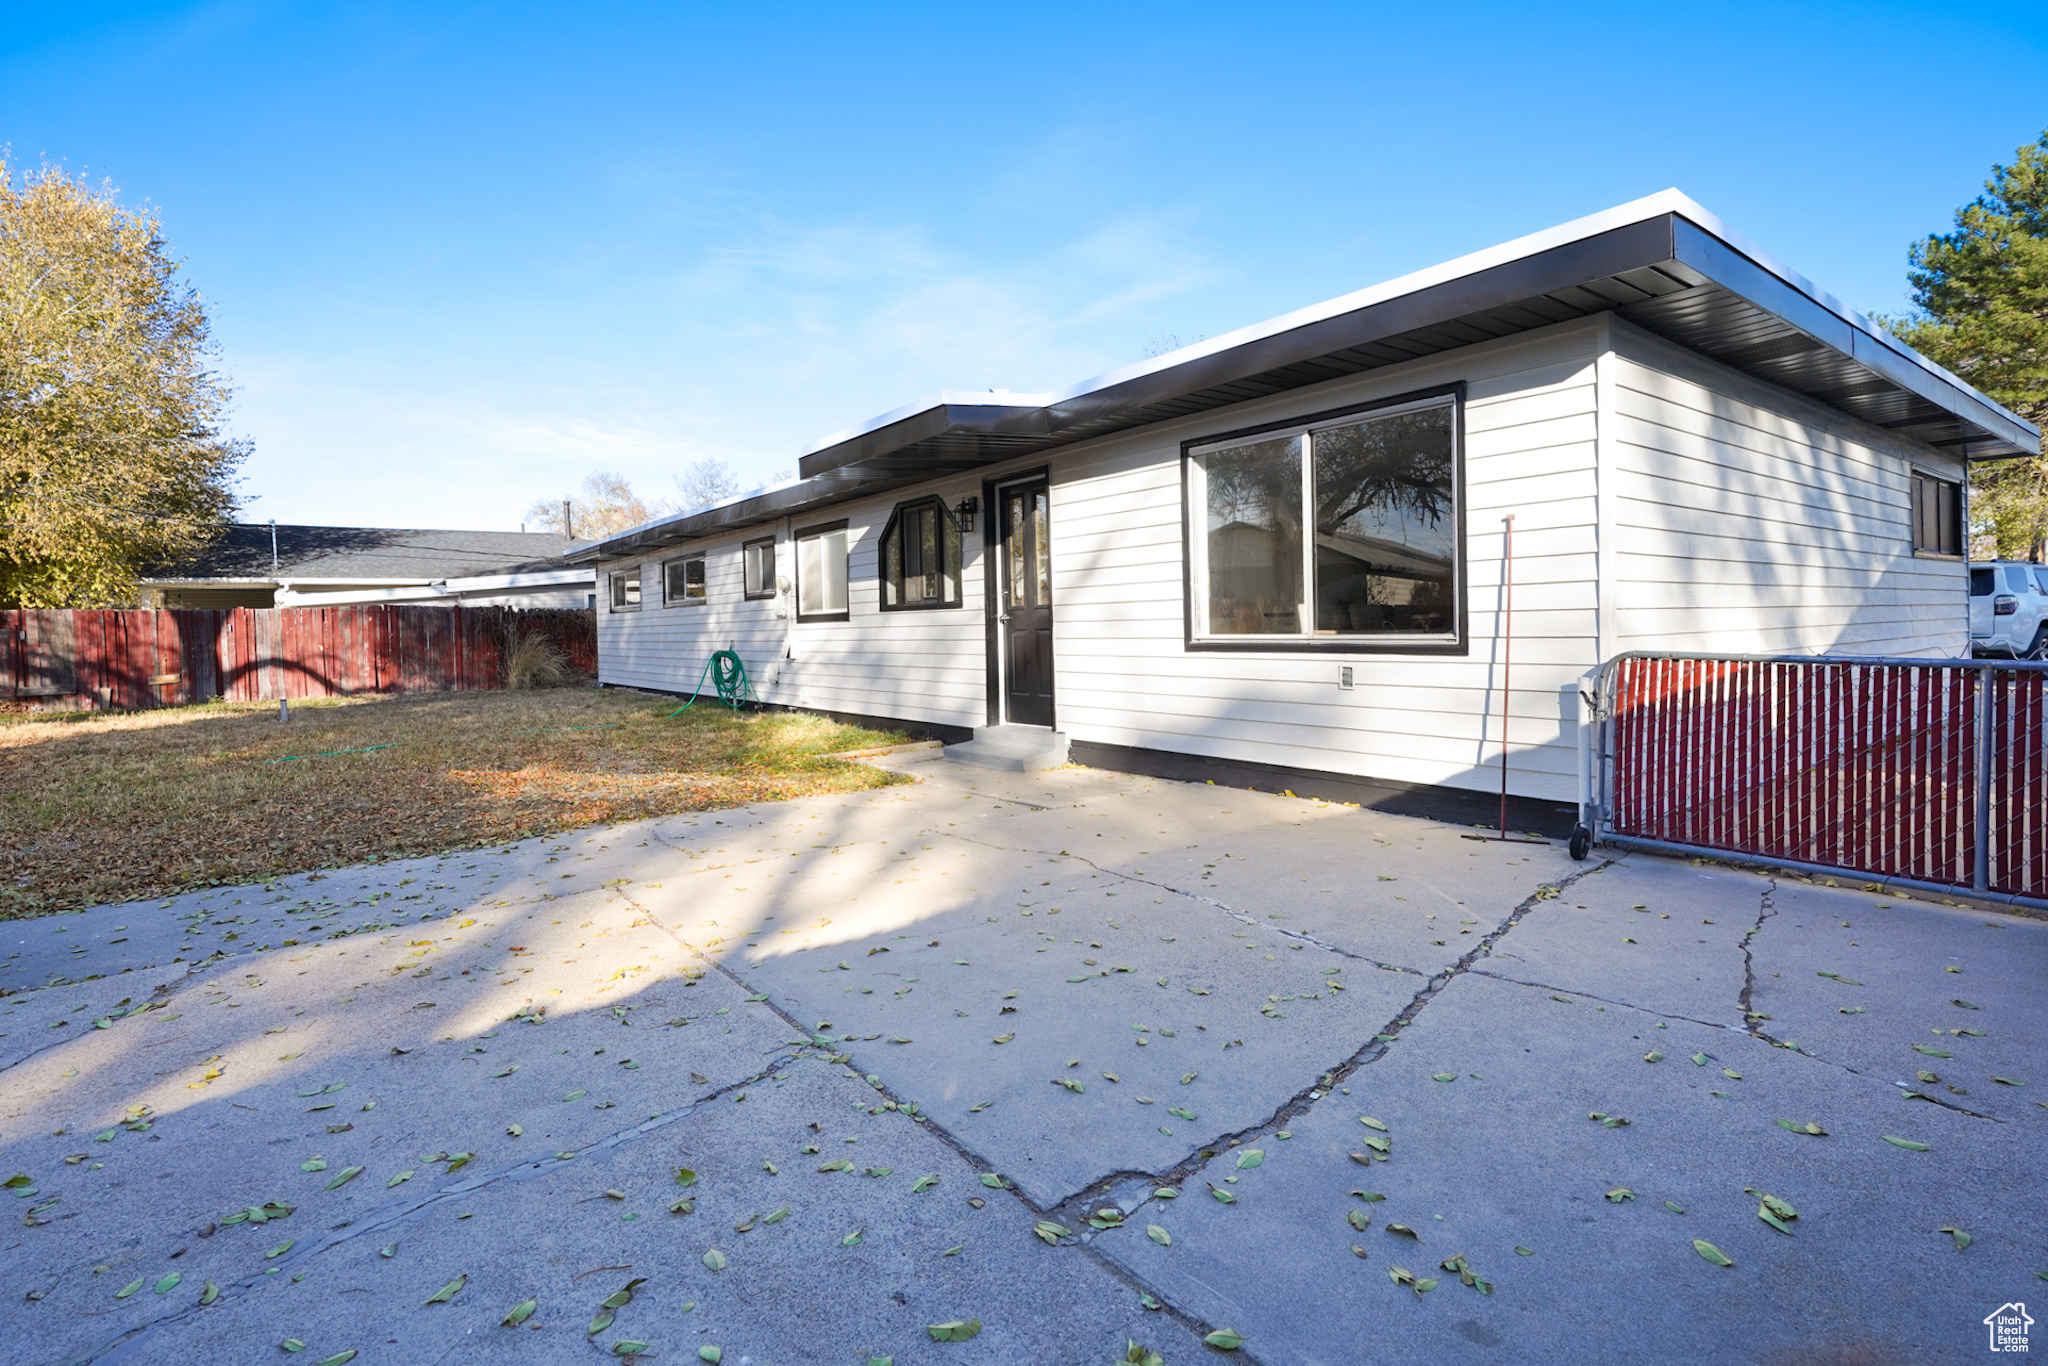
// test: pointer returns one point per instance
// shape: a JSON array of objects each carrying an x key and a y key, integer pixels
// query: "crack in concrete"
[
  {"x": 1605, "y": 1000},
  {"x": 124, "y": 1345},
  {"x": 1766, "y": 909},
  {"x": 945, "y": 1136},
  {"x": 1371, "y": 1052},
  {"x": 929, "y": 1125},
  {"x": 1242, "y": 917}
]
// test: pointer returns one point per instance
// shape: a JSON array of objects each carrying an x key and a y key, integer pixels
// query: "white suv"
[{"x": 2009, "y": 609}]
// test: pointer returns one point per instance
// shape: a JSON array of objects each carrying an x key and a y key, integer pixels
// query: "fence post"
[{"x": 1980, "y": 873}]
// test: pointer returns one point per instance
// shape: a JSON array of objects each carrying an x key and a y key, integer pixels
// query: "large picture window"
[
  {"x": 920, "y": 559},
  {"x": 821, "y": 573},
  {"x": 1341, "y": 533}
]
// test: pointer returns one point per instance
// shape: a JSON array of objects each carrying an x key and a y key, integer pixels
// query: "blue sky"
[{"x": 460, "y": 255}]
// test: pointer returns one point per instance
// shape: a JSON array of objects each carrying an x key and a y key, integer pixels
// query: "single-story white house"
[
  {"x": 258, "y": 564},
  {"x": 1276, "y": 558}
]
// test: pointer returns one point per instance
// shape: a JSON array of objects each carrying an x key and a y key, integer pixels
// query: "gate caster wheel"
[{"x": 1581, "y": 841}]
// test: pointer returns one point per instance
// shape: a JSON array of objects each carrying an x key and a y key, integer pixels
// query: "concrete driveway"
[{"x": 1077, "y": 1057}]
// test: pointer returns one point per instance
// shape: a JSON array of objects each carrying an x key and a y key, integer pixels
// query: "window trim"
[
  {"x": 796, "y": 539},
  {"x": 686, "y": 600},
  {"x": 1459, "y": 642},
  {"x": 1915, "y": 476},
  {"x": 768, "y": 592},
  {"x": 613, "y": 577},
  {"x": 946, "y": 519}
]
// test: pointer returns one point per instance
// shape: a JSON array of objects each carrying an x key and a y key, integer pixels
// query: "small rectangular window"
[
  {"x": 920, "y": 557},
  {"x": 1937, "y": 515},
  {"x": 821, "y": 573},
  {"x": 625, "y": 585},
  {"x": 682, "y": 581},
  {"x": 1980, "y": 583},
  {"x": 759, "y": 568}
]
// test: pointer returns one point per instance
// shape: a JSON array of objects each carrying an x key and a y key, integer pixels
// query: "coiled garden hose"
[{"x": 729, "y": 676}]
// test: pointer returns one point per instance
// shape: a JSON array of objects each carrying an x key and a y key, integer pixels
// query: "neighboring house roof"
[
  {"x": 1663, "y": 262},
  {"x": 346, "y": 554}
]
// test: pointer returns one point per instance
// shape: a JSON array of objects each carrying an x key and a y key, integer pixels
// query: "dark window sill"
[
  {"x": 804, "y": 618},
  {"x": 1353, "y": 646},
  {"x": 920, "y": 606}
]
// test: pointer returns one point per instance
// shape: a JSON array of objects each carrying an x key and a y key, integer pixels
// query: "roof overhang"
[
  {"x": 1663, "y": 263},
  {"x": 148, "y": 582},
  {"x": 352, "y": 593}
]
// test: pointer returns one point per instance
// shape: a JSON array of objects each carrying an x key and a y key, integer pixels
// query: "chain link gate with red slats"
[{"x": 1921, "y": 773}]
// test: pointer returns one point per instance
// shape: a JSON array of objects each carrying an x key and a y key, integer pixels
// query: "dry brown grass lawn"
[{"x": 107, "y": 807}]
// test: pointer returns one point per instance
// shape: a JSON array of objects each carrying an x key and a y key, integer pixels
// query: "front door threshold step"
[{"x": 1019, "y": 749}]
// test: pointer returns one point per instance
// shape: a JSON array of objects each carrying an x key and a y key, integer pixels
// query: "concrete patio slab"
[{"x": 167, "y": 1066}]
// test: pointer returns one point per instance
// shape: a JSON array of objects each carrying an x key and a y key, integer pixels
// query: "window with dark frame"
[
  {"x": 1937, "y": 515},
  {"x": 759, "y": 568},
  {"x": 625, "y": 588},
  {"x": 1341, "y": 532},
  {"x": 920, "y": 557},
  {"x": 821, "y": 553},
  {"x": 682, "y": 581}
]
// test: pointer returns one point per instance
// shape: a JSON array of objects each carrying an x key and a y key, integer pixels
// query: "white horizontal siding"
[
  {"x": 666, "y": 647},
  {"x": 1738, "y": 517},
  {"x": 918, "y": 666},
  {"x": 915, "y": 666},
  {"x": 1126, "y": 677},
  {"x": 1748, "y": 519}
]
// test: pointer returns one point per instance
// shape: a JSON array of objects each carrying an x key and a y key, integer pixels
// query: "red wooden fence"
[
  {"x": 82, "y": 659},
  {"x": 1921, "y": 770}
]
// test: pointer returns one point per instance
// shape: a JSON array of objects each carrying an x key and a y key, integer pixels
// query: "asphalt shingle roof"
[{"x": 348, "y": 552}]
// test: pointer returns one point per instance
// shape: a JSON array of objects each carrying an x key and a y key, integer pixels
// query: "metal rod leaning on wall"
[
  {"x": 1507, "y": 638},
  {"x": 1507, "y": 654}
]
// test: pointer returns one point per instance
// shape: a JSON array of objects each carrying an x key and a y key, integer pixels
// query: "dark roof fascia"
[
  {"x": 945, "y": 416},
  {"x": 746, "y": 512},
  {"x": 1851, "y": 335},
  {"x": 1613, "y": 252}
]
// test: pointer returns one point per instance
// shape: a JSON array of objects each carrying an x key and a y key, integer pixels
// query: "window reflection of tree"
[
  {"x": 1398, "y": 465},
  {"x": 1251, "y": 485},
  {"x": 1254, "y": 550},
  {"x": 1383, "y": 500}
]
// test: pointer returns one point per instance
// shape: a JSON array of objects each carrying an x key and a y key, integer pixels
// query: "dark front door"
[{"x": 1027, "y": 603}]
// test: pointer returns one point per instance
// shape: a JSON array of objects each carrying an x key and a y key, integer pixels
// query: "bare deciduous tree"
[
  {"x": 1169, "y": 341},
  {"x": 707, "y": 481},
  {"x": 606, "y": 506}
]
